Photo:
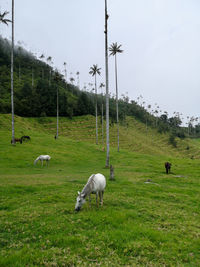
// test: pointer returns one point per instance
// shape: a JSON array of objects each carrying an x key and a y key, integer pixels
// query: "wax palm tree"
[
  {"x": 114, "y": 49},
  {"x": 107, "y": 85},
  {"x": 12, "y": 66},
  {"x": 3, "y": 19},
  {"x": 101, "y": 86},
  {"x": 57, "y": 78},
  {"x": 72, "y": 80},
  {"x": 78, "y": 79},
  {"x": 65, "y": 70},
  {"x": 94, "y": 70},
  {"x": 42, "y": 57},
  {"x": 49, "y": 60}
]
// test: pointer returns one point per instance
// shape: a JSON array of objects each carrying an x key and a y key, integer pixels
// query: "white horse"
[
  {"x": 42, "y": 158},
  {"x": 95, "y": 185}
]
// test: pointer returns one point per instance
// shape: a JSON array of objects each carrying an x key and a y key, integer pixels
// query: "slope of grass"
[
  {"x": 141, "y": 224},
  {"x": 134, "y": 136}
]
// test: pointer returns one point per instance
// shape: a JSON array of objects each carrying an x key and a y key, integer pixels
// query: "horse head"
[{"x": 80, "y": 200}]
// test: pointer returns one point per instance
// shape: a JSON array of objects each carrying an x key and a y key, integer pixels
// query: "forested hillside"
[
  {"x": 35, "y": 93},
  {"x": 35, "y": 87}
]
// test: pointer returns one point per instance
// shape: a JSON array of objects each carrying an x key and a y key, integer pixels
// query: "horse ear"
[{"x": 79, "y": 193}]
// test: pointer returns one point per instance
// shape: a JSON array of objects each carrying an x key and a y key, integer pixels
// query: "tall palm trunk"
[
  {"x": 116, "y": 82},
  {"x": 12, "y": 63},
  {"x": 96, "y": 110},
  {"x": 107, "y": 89},
  {"x": 19, "y": 72},
  {"x": 57, "y": 113},
  {"x": 102, "y": 115},
  {"x": 32, "y": 77}
]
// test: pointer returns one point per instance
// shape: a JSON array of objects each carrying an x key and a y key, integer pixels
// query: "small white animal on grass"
[
  {"x": 42, "y": 158},
  {"x": 95, "y": 185}
]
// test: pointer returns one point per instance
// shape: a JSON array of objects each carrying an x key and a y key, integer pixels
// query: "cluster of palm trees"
[{"x": 94, "y": 70}]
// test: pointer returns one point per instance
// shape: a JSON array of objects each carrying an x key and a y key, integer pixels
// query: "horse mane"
[{"x": 88, "y": 187}]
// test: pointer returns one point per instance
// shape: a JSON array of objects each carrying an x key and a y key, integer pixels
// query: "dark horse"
[
  {"x": 24, "y": 137},
  {"x": 17, "y": 140},
  {"x": 168, "y": 167}
]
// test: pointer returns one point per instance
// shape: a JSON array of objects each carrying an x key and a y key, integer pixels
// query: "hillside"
[
  {"x": 134, "y": 136},
  {"x": 148, "y": 218}
]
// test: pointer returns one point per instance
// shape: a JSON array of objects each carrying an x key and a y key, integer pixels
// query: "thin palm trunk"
[
  {"x": 19, "y": 72},
  {"x": 32, "y": 77},
  {"x": 117, "y": 111},
  {"x": 107, "y": 89},
  {"x": 57, "y": 113},
  {"x": 96, "y": 110},
  {"x": 12, "y": 63},
  {"x": 102, "y": 115}
]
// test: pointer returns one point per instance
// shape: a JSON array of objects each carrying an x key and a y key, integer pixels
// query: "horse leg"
[
  {"x": 97, "y": 199},
  {"x": 102, "y": 198},
  {"x": 42, "y": 162},
  {"x": 89, "y": 196}
]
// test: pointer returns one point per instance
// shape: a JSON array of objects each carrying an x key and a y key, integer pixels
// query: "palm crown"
[
  {"x": 115, "y": 48},
  {"x": 3, "y": 19},
  {"x": 95, "y": 70}
]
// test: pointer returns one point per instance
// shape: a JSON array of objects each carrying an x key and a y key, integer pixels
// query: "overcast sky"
[{"x": 160, "y": 39}]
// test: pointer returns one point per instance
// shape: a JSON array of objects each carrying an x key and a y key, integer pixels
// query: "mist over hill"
[{"x": 35, "y": 92}]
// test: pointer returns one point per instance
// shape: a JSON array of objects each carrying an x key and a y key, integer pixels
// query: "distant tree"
[
  {"x": 114, "y": 49},
  {"x": 19, "y": 49},
  {"x": 3, "y": 19},
  {"x": 101, "y": 86},
  {"x": 57, "y": 78},
  {"x": 65, "y": 70},
  {"x": 78, "y": 79},
  {"x": 42, "y": 57},
  {"x": 49, "y": 61},
  {"x": 94, "y": 70},
  {"x": 72, "y": 80}
]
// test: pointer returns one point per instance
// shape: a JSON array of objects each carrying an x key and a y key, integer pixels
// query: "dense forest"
[{"x": 35, "y": 94}]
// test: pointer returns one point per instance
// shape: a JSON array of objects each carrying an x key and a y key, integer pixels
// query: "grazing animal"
[
  {"x": 17, "y": 140},
  {"x": 95, "y": 185},
  {"x": 168, "y": 167},
  {"x": 42, "y": 158},
  {"x": 24, "y": 137}
]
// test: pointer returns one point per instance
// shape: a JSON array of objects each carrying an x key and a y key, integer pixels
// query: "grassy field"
[{"x": 140, "y": 224}]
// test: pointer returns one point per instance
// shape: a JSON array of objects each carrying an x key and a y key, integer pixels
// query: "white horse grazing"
[
  {"x": 42, "y": 158},
  {"x": 95, "y": 185}
]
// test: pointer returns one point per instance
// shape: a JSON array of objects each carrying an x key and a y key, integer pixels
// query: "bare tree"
[
  {"x": 94, "y": 70},
  {"x": 114, "y": 49}
]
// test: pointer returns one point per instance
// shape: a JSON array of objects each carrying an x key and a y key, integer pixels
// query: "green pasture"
[{"x": 148, "y": 218}]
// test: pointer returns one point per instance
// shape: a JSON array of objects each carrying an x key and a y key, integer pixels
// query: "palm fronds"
[
  {"x": 3, "y": 19},
  {"x": 114, "y": 49}
]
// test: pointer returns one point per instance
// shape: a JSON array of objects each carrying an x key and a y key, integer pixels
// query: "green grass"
[{"x": 140, "y": 224}]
